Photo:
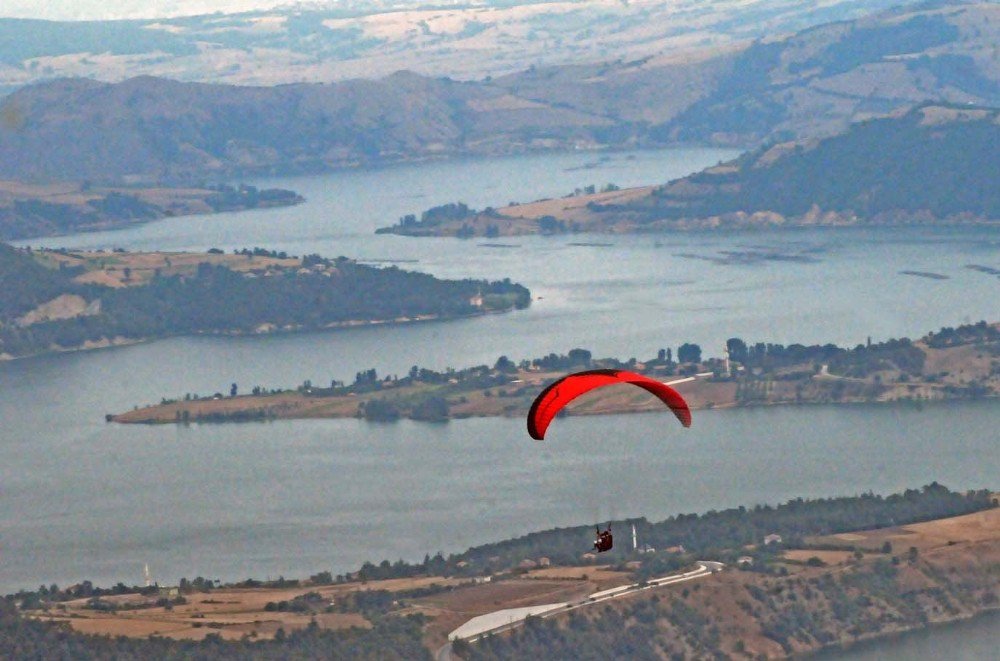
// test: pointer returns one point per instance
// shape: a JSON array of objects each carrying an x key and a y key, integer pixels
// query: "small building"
[
  {"x": 527, "y": 563},
  {"x": 588, "y": 557},
  {"x": 772, "y": 539},
  {"x": 675, "y": 549},
  {"x": 744, "y": 561},
  {"x": 544, "y": 562}
]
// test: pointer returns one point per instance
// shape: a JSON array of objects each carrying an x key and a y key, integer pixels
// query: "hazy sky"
[{"x": 105, "y": 9}]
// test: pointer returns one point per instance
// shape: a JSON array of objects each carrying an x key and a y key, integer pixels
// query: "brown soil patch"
[
  {"x": 969, "y": 529},
  {"x": 575, "y": 207},
  {"x": 453, "y": 609},
  {"x": 562, "y": 573},
  {"x": 486, "y": 598},
  {"x": 108, "y": 268},
  {"x": 829, "y": 557},
  {"x": 962, "y": 363},
  {"x": 232, "y": 612},
  {"x": 65, "y": 306}
]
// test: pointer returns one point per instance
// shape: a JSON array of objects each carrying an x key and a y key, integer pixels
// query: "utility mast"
[
  {"x": 725, "y": 356},
  {"x": 635, "y": 543},
  {"x": 149, "y": 579}
]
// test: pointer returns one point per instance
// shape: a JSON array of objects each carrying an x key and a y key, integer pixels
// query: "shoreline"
[
  {"x": 277, "y": 412},
  {"x": 872, "y": 643},
  {"x": 125, "y": 342},
  {"x": 949, "y": 563},
  {"x": 75, "y": 205},
  {"x": 957, "y": 368}
]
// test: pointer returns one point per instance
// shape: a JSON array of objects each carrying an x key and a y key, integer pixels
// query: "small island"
[
  {"x": 953, "y": 363},
  {"x": 61, "y": 300}
]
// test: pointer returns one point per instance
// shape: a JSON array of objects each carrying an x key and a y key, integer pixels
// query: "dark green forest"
[{"x": 219, "y": 300}]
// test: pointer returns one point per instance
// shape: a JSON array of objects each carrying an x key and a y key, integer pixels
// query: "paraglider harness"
[{"x": 603, "y": 541}]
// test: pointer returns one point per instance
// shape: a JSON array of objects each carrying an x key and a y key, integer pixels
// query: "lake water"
[
  {"x": 977, "y": 639},
  {"x": 82, "y": 499}
]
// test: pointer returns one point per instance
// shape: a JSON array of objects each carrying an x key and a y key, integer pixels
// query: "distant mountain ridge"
[
  {"x": 811, "y": 84},
  {"x": 152, "y": 129},
  {"x": 321, "y": 42},
  {"x": 805, "y": 85}
]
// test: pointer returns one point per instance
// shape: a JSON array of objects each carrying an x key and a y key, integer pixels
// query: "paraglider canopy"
[{"x": 562, "y": 392}]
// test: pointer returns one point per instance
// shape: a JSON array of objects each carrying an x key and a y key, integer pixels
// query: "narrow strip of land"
[{"x": 962, "y": 363}]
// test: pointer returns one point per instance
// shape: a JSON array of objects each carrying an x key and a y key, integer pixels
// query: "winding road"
[{"x": 511, "y": 618}]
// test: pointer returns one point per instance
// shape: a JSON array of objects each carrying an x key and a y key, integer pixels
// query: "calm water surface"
[
  {"x": 973, "y": 640},
  {"x": 82, "y": 499}
]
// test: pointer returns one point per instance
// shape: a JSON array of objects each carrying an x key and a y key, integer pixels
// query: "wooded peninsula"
[
  {"x": 62, "y": 300},
  {"x": 952, "y": 363}
]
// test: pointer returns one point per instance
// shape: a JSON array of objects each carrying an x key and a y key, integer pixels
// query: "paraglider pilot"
[{"x": 603, "y": 541}]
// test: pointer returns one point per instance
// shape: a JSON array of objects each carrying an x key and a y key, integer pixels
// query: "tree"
[
  {"x": 689, "y": 353},
  {"x": 505, "y": 364},
  {"x": 737, "y": 349},
  {"x": 232, "y": 390},
  {"x": 549, "y": 224},
  {"x": 432, "y": 409}
]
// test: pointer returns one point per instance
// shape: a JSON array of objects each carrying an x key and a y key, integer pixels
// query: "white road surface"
[{"x": 511, "y": 618}]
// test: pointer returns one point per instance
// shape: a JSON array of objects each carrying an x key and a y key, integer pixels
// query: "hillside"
[
  {"x": 60, "y": 300},
  {"x": 28, "y": 210},
  {"x": 152, "y": 129},
  {"x": 804, "y": 85},
  {"x": 319, "y": 42},
  {"x": 901, "y": 579},
  {"x": 785, "y": 86},
  {"x": 932, "y": 165},
  {"x": 845, "y": 569}
]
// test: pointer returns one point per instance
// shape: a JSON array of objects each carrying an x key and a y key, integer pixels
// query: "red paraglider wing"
[{"x": 562, "y": 392}]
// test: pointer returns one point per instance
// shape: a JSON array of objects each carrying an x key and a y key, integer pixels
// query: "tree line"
[{"x": 217, "y": 299}]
